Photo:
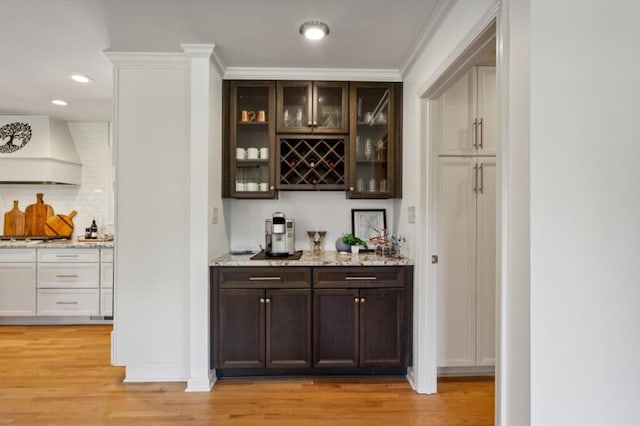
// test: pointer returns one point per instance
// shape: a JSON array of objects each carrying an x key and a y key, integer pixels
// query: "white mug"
[
  {"x": 264, "y": 153},
  {"x": 372, "y": 185},
  {"x": 241, "y": 186},
  {"x": 241, "y": 153},
  {"x": 252, "y": 153},
  {"x": 264, "y": 186},
  {"x": 252, "y": 186}
]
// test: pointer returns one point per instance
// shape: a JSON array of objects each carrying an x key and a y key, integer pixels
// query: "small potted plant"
[{"x": 354, "y": 242}]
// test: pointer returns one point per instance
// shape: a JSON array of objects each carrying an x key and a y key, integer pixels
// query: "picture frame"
[{"x": 365, "y": 221}]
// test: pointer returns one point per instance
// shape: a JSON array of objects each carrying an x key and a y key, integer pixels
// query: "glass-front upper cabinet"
[
  {"x": 373, "y": 141},
  {"x": 313, "y": 107},
  {"x": 252, "y": 139}
]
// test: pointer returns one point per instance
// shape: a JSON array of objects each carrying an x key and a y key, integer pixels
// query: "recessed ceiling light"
[
  {"x": 80, "y": 78},
  {"x": 314, "y": 30},
  {"x": 59, "y": 102}
]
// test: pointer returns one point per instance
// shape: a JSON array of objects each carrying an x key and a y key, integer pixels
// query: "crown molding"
[
  {"x": 430, "y": 27},
  {"x": 198, "y": 50},
  {"x": 159, "y": 60},
  {"x": 331, "y": 74}
]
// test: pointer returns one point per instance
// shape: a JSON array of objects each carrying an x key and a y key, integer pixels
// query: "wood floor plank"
[{"x": 60, "y": 375}]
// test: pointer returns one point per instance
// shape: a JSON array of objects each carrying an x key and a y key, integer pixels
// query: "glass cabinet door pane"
[
  {"x": 329, "y": 107},
  {"x": 295, "y": 107},
  {"x": 371, "y": 147},
  {"x": 251, "y": 174}
]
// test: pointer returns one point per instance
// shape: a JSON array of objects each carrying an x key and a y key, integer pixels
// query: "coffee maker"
[{"x": 279, "y": 234}]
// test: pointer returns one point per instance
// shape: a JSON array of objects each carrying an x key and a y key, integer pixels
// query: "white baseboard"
[
  {"x": 155, "y": 372},
  {"x": 487, "y": 370},
  {"x": 202, "y": 384}
]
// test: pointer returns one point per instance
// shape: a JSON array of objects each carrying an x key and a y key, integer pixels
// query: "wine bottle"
[{"x": 94, "y": 230}]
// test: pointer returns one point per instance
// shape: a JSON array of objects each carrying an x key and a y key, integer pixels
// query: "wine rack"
[{"x": 312, "y": 163}]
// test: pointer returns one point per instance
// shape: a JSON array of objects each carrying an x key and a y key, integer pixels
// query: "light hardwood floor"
[{"x": 61, "y": 375}]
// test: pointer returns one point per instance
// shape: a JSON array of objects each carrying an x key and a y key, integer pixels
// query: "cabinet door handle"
[
  {"x": 310, "y": 124},
  {"x": 362, "y": 300},
  {"x": 264, "y": 278},
  {"x": 267, "y": 300},
  {"x": 66, "y": 255},
  {"x": 475, "y": 179},
  {"x": 481, "y": 124},
  {"x": 474, "y": 134},
  {"x": 66, "y": 303},
  {"x": 481, "y": 178},
  {"x": 356, "y": 300},
  {"x": 262, "y": 300},
  {"x": 360, "y": 278},
  {"x": 66, "y": 276}
]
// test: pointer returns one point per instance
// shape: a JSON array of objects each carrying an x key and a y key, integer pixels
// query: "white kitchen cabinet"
[
  {"x": 68, "y": 281},
  {"x": 466, "y": 275},
  {"x": 468, "y": 114},
  {"x": 106, "y": 282},
  {"x": 17, "y": 282}
]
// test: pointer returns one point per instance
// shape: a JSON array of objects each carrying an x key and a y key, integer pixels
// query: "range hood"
[{"x": 37, "y": 149}]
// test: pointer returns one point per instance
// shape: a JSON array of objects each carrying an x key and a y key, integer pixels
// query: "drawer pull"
[
  {"x": 67, "y": 255},
  {"x": 264, "y": 278},
  {"x": 66, "y": 303},
  {"x": 360, "y": 278},
  {"x": 66, "y": 276}
]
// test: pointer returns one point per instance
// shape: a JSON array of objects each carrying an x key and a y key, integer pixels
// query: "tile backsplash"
[{"x": 92, "y": 199}]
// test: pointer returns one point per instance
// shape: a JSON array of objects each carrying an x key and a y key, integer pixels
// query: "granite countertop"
[
  {"x": 58, "y": 243},
  {"x": 326, "y": 258}
]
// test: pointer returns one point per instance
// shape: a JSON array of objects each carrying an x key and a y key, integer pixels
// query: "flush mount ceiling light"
[
  {"x": 59, "y": 102},
  {"x": 314, "y": 30},
  {"x": 81, "y": 78}
]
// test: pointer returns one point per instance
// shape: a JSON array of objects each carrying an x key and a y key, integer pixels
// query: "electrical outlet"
[
  {"x": 412, "y": 214},
  {"x": 214, "y": 220}
]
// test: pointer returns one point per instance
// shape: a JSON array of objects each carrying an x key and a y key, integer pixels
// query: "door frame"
[{"x": 457, "y": 63}]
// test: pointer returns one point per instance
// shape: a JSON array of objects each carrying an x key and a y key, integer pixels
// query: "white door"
[
  {"x": 17, "y": 289},
  {"x": 456, "y": 298},
  {"x": 457, "y": 111},
  {"x": 486, "y": 262},
  {"x": 487, "y": 115}
]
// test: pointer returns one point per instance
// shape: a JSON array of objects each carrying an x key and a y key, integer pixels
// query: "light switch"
[
  {"x": 412, "y": 214},
  {"x": 215, "y": 216}
]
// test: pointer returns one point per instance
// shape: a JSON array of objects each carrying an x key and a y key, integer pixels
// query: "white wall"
[
  {"x": 92, "y": 199},
  {"x": 585, "y": 212},
  {"x": 151, "y": 321},
  {"x": 315, "y": 210}
]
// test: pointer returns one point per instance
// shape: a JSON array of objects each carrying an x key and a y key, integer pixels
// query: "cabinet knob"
[
  {"x": 272, "y": 187},
  {"x": 356, "y": 300},
  {"x": 267, "y": 300},
  {"x": 362, "y": 300},
  {"x": 262, "y": 300},
  {"x": 352, "y": 189}
]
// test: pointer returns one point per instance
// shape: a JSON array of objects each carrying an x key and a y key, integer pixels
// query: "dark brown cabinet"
[
  {"x": 320, "y": 319},
  {"x": 264, "y": 318},
  {"x": 359, "y": 322},
  {"x": 249, "y": 135},
  {"x": 312, "y": 135},
  {"x": 375, "y": 162},
  {"x": 313, "y": 107}
]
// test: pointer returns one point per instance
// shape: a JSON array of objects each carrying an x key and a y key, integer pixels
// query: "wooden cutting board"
[
  {"x": 14, "y": 222},
  {"x": 60, "y": 225},
  {"x": 35, "y": 216}
]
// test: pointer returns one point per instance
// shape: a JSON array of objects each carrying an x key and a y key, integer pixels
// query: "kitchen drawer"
[
  {"x": 265, "y": 277},
  {"x": 358, "y": 277},
  {"x": 68, "y": 255},
  {"x": 68, "y": 302},
  {"x": 68, "y": 275},
  {"x": 106, "y": 275},
  {"x": 106, "y": 255},
  {"x": 106, "y": 302},
  {"x": 17, "y": 255}
]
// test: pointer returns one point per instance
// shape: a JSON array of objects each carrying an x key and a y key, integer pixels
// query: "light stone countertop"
[
  {"x": 59, "y": 243},
  {"x": 326, "y": 258}
]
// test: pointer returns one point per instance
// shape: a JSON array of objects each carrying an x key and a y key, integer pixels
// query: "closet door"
[
  {"x": 457, "y": 110},
  {"x": 456, "y": 322},
  {"x": 486, "y": 261},
  {"x": 487, "y": 115}
]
